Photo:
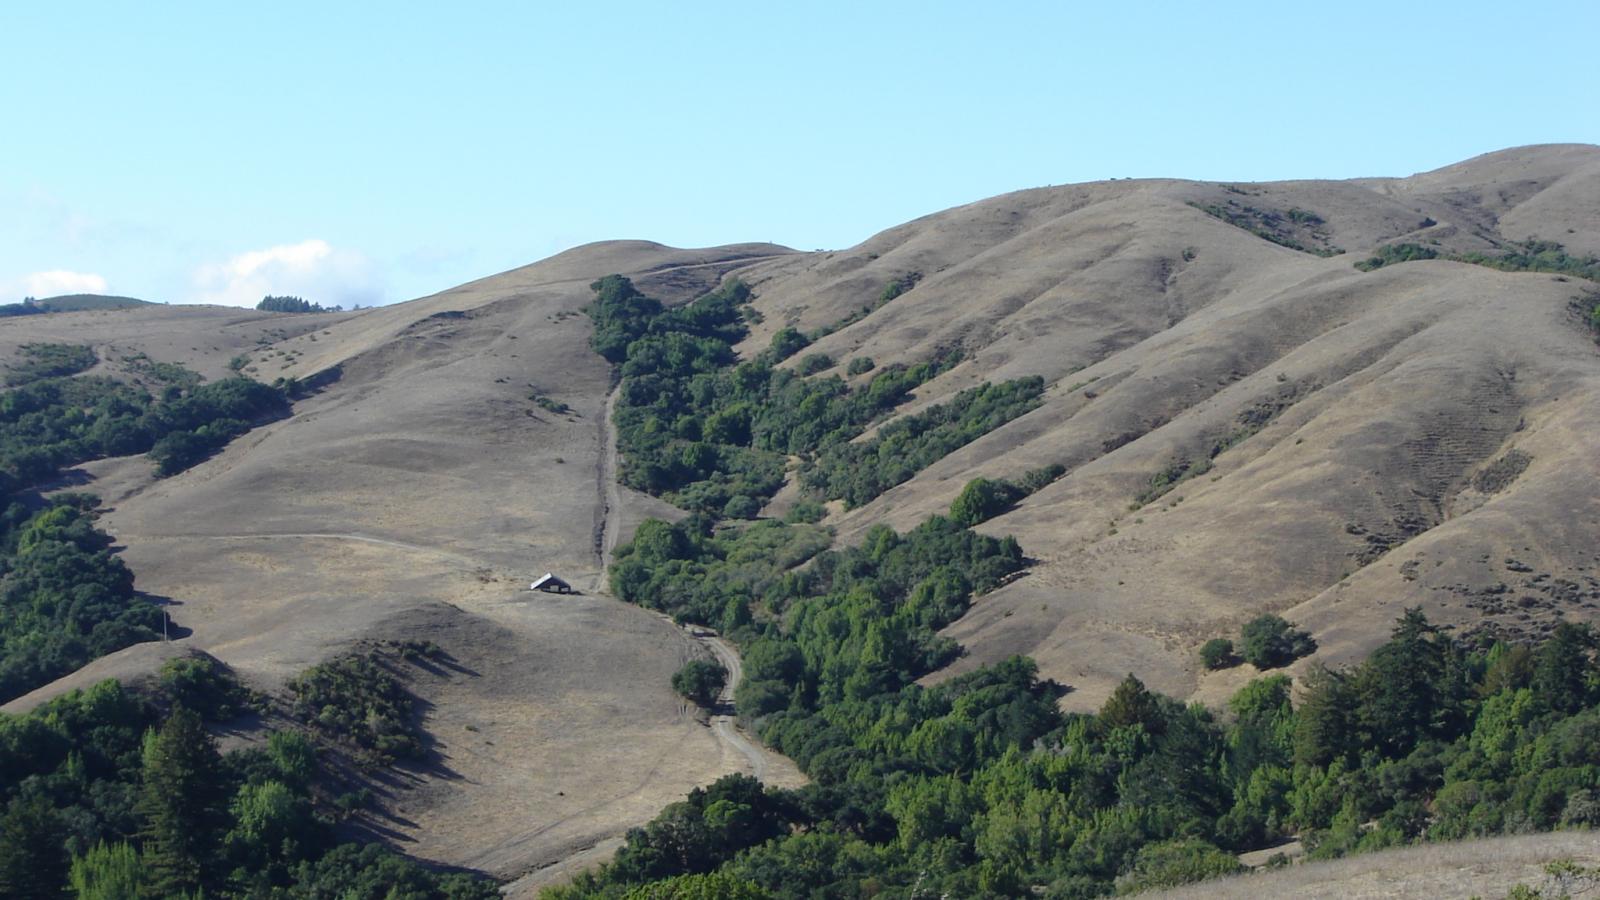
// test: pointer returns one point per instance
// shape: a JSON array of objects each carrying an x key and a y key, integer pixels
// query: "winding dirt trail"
[
  {"x": 723, "y": 724},
  {"x": 608, "y": 497}
]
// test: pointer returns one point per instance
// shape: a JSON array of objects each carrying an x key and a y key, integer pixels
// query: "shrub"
[
  {"x": 805, "y": 512},
  {"x": 814, "y": 363},
  {"x": 1269, "y": 641},
  {"x": 1171, "y": 863},
  {"x": 861, "y": 365},
  {"x": 742, "y": 506},
  {"x": 1218, "y": 654},
  {"x": 786, "y": 343}
]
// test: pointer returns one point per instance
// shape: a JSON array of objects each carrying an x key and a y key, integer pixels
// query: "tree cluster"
[
  {"x": 707, "y": 431},
  {"x": 65, "y": 600},
  {"x": 270, "y": 303},
  {"x": 110, "y": 795},
  {"x": 857, "y": 472}
]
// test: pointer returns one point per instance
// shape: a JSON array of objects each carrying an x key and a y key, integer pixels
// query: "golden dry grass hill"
[{"x": 1249, "y": 423}]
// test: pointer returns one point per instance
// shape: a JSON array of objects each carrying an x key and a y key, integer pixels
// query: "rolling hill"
[{"x": 1248, "y": 423}]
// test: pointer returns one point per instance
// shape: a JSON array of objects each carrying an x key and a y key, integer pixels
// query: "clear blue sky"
[{"x": 378, "y": 152}]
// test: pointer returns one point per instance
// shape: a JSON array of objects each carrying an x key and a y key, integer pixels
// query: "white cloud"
[
  {"x": 59, "y": 281},
  {"x": 311, "y": 269}
]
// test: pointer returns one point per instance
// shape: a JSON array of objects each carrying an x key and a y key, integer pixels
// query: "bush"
[
  {"x": 742, "y": 506},
  {"x": 701, "y": 681},
  {"x": 861, "y": 365},
  {"x": 814, "y": 363},
  {"x": 805, "y": 512},
  {"x": 1218, "y": 654},
  {"x": 50, "y": 361},
  {"x": 1172, "y": 863},
  {"x": 786, "y": 343},
  {"x": 1269, "y": 641},
  {"x": 356, "y": 701}
]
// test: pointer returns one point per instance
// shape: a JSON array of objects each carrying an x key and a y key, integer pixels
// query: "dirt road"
[
  {"x": 723, "y": 722},
  {"x": 609, "y": 498}
]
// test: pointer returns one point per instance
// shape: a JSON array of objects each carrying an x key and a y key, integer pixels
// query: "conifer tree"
[
  {"x": 111, "y": 872},
  {"x": 33, "y": 859},
  {"x": 182, "y": 804}
]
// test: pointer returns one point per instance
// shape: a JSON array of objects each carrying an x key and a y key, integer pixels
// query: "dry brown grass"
[{"x": 1487, "y": 868}]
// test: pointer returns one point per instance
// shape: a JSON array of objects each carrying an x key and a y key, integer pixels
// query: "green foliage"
[
  {"x": 786, "y": 342},
  {"x": 54, "y": 423},
  {"x": 1532, "y": 255},
  {"x": 146, "y": 807},
  {"x": 33, "y": 861},
  {"x": 981, "y": 787},
  {"x": 1173, "y": 475},
  {"x": 108, "y": 872},
  {"x": 710, "y": 886},
  {"x": 1389, "y": 254},
  {"x": 1268, "y": 641},
  {"x": 1173, "y": 863},
  {"x": 1296, "y": 229},
  {"x": 805, "y": 512},
  {"x": 700, "y": 681},
  {"x": 1217, "y": 653},
  {"x": 983, "y": 499},
  {"x": 270, "y": 303},
  {"x": 861, "y": 365},
  {"x": 370, "y": 872},
  {"x": 813, "y": 363},
  {"x": 182, "y": 803},
  {"x": 697, "y": 428},
  {"x": 65, "y": 599},
  {"x": 356, "y": 701},
  {"x": 204, "y": 685},
  {"x": 549, "y": 404},
  {"x": 857, "y": 472},
  {"x": 40, "y": 361}
]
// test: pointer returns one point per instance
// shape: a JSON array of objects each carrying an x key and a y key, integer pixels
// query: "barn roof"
[{"x": 548, "y": 578}]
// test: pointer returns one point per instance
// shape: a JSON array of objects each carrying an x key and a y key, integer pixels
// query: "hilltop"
[{"x": 1248, "y": 422}]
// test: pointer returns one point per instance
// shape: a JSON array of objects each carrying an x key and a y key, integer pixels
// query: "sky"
[{"x": 358, "y": 153}]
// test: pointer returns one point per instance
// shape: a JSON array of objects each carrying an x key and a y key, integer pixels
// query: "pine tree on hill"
[{"x": 182, "y": 804}]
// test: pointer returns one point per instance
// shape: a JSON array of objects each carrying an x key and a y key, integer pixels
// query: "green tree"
[
  {"x": 1325, "y": 721},
  {"x": 980, "y": 500},
  {"x": 33, "y": 859},
  {"x": 1217, "y": 653},
  {"x": 108, "y": 872},
  {"x": 700, "y": 680},
  {"x": 1269, "y": 641},
  {"x": 182, "y": 804},
  {"x": 1131, "y": 704},
  {"x": 787, "y": 342},
  {"x": 1563, "y": 671},
  {"x": 1411, "y": 688},
  {"x": 710, "y": 886}
]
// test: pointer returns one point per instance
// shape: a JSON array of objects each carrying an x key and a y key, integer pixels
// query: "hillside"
[
  {"x": 1342, "y": 444},
  {"x": 69, "y": 303}
]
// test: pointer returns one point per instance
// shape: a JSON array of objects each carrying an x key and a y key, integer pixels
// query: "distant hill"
[{"x": 70, "y": 303}]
